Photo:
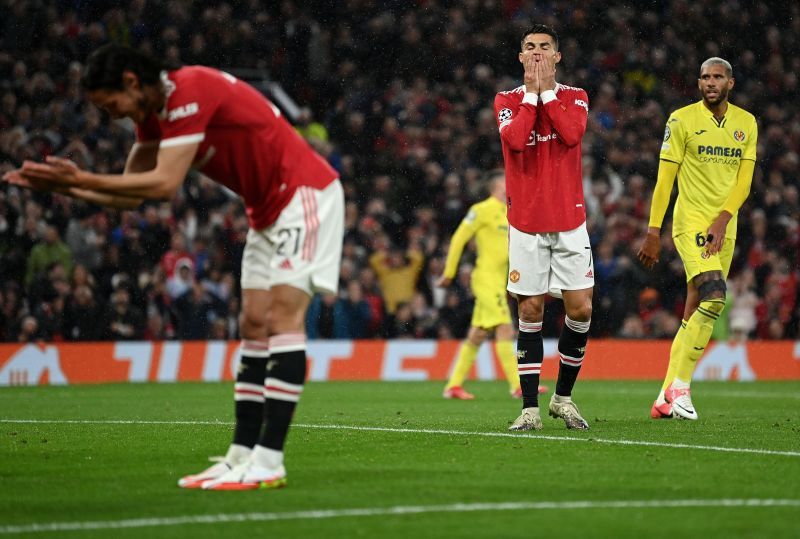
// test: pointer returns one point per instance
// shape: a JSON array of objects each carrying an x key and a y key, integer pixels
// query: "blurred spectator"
[
  {"x": 309, "y": 128},
  {"x": 320, "y": 317},
  {"x": 176, "y": 255},
  {"x": 402, "y": 325},
  {"x": 123, "y": 321},
  {"x": 196, "y": 310},
  {"x": 155, "y": 329},
  {"x": 351, "y": 314},
  {"x": 397, "y": 274},
  {"x": 372, "y": 296},
  {"x": 83, "y": 240},
  {"x": 82, "y": 315},
  {"x": 632, "y": 328},
  {"x": 182, "y": 278},
  {"x": 48, "y": 251},
  {"x": 455, "y": 315},
  {"x": 743, "y": 303},
  {"x": 29, "y": 330}
]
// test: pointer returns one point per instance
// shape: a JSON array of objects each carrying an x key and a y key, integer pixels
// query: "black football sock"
[
  {"x": 530, "y": 353},
  {"x": 571, "y": 349},
  {"x": 249, "y": 392},
  {"x": 286, "y": 374}
]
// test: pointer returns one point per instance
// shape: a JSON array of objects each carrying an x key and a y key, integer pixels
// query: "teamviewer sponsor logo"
[{"x": 183, "y": 111}]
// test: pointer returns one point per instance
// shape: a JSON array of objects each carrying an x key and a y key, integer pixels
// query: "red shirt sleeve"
[
  {"x": 515, "y": 121},
  {"x": 189, "y": 109},
  {"x": 568, "y": 116}
]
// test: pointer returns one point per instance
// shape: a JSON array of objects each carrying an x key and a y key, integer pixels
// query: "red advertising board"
[{"x": 399, "y": 360}]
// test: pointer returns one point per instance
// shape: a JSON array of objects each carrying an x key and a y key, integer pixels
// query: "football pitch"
[{"x": 373, "y": 459}]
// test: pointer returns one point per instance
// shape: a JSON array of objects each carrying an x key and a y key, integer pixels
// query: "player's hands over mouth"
[
  {"x": 56, "y": 172},
  {"x": 547, "y": 74},
  {"x": 716, "y": 233},
  {"x": 531, "y": 78},
  {"x": 650, "y": 248}
]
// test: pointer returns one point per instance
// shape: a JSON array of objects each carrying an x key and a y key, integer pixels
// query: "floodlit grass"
[{"x": 126, "y": 445}]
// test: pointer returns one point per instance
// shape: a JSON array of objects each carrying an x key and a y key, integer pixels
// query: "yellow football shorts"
[
  {"x": 692, "y": 249},
  {"x": 491, "y": 307}
]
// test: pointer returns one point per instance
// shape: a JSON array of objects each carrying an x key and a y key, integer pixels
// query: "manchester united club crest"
[
  {"x": 738, "y": 135},
  {"x": 513, "y": 276}
]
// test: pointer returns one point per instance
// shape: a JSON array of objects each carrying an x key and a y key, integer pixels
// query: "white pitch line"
[
  {"x": 561, "y": 439},
  {"x": 425, "y": 431},
  {"x": 753, "y": 394},
  {"x": 706, "y": 393},
  {"x": 387, "y": 511}
]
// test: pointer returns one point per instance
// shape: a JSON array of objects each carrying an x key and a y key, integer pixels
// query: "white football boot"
[
  {"x": 528, "y": 420},
  {"x": 564, "y": 408}
]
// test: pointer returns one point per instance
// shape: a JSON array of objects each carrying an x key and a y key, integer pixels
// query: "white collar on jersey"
[{"x": 168, "y": 87}]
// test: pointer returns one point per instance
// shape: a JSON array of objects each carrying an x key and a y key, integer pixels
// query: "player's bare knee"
[
  {"x": 477, "y": 335},
  {"x": 504, "y": 332},
  {"x": 580, "y": 313},
  {"x": 253, "y": 324},
  {"x": 530, "y": 309},
  {"x": 285, "y": 318}
]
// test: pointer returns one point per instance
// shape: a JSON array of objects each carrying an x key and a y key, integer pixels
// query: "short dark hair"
[
  {"x": 539, "y": 29},
  {"x": 105, "y": 66},
  {"x": 717, "y": 61}
]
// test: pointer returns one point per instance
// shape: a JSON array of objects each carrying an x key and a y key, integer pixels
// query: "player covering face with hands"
[
  {"x": 207, "y": 119},
  {"x": 541, "y": 125},
  {"x": 710, "y": 146}
]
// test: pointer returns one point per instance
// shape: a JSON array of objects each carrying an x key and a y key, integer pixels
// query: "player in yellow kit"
[
  {"x": 487, "y": 222},
  {"x": 711, "y": 147}
]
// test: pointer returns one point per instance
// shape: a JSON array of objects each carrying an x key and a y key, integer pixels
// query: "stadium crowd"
[{"x": 398, "y": 97}]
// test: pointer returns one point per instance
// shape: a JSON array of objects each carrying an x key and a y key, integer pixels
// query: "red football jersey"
[
  {"x": 542, "y": 153},
  {"x": 245, "y": 143}
]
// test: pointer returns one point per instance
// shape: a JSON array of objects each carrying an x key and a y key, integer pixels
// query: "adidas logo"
[
  {"x": 286, "y": 265},
  {"x": 590, "y": 274}
]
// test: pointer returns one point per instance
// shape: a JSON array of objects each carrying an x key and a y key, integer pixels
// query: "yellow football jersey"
[
  {"x": 487, "y": 222},
  {"x": 708, "y": 152}
]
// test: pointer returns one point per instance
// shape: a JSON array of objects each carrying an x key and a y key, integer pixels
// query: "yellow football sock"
[
  {"x": 697, "y": 334},
  {"x": 674, "y": 356},
  {"x": 508, "y": 360},
  {"x": 466, "y": 357}
]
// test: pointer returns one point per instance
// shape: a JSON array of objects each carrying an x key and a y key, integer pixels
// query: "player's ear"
[
  {"x": 557, "y": 57},
  {"x": 520, "y": 58},
  {"x": 731, "y": 82},
  {"x": 130, "y": 80}
]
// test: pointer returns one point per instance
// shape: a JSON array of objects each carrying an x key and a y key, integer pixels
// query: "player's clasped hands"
[
  {"x": 56, "y": 170},
  {"x": 54, "y": 174}
]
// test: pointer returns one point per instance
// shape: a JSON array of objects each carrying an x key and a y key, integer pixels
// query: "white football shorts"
[
  {"x": 303, "y": 248},
  {"x": 550, "y": 262}
]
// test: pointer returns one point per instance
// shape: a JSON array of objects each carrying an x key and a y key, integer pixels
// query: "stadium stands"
[{"x": 398, "y": 97}]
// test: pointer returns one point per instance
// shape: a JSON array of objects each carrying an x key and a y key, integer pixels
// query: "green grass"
[{"x": 107, "y": 472}]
